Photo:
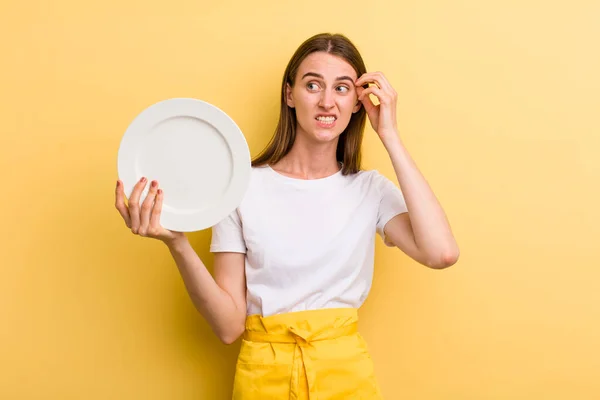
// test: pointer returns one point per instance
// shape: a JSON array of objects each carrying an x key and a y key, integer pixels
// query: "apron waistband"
[{"x": 295, "y": 335}]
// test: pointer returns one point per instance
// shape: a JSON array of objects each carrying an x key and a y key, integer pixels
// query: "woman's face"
[{"x": 324, "y": 96}]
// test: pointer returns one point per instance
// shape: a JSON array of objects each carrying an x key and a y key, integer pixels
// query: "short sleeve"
[
  {"x": 391, "y": 203},
  {"x": 227, "y": 235}
]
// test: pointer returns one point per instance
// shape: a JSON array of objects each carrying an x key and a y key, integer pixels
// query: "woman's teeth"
[{"x": 326, "y": 119}]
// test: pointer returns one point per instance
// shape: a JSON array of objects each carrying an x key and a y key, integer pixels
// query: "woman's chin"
[
  {"x": 325, "y": 136},
  {"x": 320, "y": 135}
]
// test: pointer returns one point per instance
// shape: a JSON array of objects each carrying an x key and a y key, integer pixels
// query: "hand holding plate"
[{"x": 144, "y": 220}]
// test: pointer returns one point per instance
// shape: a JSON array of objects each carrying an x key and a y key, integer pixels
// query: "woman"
[{"x": 294, "y": 261}]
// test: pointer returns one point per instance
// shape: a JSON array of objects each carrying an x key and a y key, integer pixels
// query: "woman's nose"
[{"x": 326, "y": 99}]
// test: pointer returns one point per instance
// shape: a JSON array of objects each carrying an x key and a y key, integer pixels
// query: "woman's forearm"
[
  {"x": 214, "y": 303},
  {"x": 431, "y": 228}
]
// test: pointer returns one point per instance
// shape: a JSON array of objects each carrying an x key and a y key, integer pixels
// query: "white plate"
[{"x": 198, "y": 155}]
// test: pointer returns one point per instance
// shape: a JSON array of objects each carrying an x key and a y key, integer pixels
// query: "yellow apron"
[{"x": 305, "y": 355}]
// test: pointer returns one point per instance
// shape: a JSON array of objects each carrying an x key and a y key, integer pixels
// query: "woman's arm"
[
  {"x": 424, "y": 232},
  {"x": 221, "y": 300}
]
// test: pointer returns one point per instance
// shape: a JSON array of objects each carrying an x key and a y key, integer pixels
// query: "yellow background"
[{"x": 498, "y": 104}]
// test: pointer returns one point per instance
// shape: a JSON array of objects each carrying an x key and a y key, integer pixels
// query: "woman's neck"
[{"x": 309, "y": 160}]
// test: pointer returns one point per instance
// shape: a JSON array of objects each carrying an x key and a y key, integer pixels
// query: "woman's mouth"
[{"x": 326, "y": 122}]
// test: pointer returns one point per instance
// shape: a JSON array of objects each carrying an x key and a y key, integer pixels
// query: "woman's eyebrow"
[{"x": 339, "y": 78}]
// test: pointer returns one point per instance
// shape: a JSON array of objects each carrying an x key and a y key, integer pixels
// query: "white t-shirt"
[{"x": 309, "y": 244}]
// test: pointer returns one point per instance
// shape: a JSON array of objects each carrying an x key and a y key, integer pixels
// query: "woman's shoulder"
[
  {"x": 373, "y": 180},
  {"x": 370, "y": 175},
  {"x": 259, "y": 176}
]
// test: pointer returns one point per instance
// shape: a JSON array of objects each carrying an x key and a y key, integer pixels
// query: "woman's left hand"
[{"x": 383, "y": 115}]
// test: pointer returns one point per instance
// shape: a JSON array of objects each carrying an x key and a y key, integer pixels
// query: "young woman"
[{"x": 294, "y": 262}]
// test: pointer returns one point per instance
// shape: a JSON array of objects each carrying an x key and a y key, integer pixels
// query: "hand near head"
[
  {"x": 383, "y": 115},
  {"x": 144, "y": 219}
]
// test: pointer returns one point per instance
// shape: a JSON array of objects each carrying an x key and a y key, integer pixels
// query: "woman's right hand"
[{"x": 144, "y": 219}]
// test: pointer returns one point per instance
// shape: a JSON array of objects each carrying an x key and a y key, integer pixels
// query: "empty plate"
[{"x": 198, "y": 155}]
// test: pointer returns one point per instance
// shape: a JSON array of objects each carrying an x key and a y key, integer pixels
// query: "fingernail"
[
  {"x": 159, "y": 191},
  {"x": 143, "y": 179},
  {"x": 117, "y": 183},
  {"x": 153, "y": 184}
]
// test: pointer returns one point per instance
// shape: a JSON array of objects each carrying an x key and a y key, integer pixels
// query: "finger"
[
  {"x": 383, "y": 81},
  {"x": 120, "y": 204},
  {"x": 377, "y": 78},
  {"x": 381, "y": 95},
  {"x": 387, "y": 87},
  {"x": 366, "y": 100},
  {"x": 156, "y": 211},
  {"x": 147, "y": 209},
  {"x": 134, "y": 205},
  {"x": 367, "y": 78},
  {"x": 359, "y": 91}
]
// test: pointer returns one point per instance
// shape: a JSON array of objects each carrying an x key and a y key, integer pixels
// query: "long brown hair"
[{"x": 349, "y": 144}]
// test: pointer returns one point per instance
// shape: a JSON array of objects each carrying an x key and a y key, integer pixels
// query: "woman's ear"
[{"x": 289, "y": 99}]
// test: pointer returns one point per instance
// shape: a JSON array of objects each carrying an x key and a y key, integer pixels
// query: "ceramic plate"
[{"x": 198, "y": 155}]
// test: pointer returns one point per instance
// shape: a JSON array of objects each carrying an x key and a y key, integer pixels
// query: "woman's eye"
[
  {"x": 343, "y": 89},
  {"x": 312, "y": 86}
]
